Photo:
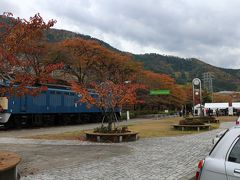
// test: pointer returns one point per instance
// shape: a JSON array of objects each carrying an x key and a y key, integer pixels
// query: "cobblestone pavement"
[{"x": 154, "y": 158}]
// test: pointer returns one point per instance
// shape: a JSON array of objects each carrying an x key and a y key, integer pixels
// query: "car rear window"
[
  {"x": 218, "y": 141},
  {"x": 234, "y": 155}
]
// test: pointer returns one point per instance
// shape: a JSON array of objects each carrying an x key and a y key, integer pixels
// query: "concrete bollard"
[
  {"x": 98, "y": 138},
  {"x": 120, "y": 138},
  {"x": 128, "y": 115}
]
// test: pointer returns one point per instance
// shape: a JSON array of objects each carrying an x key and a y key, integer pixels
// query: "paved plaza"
[{"x": 153, "y": 158}]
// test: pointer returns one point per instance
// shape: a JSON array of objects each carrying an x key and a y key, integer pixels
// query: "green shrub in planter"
[
  {"x": 206, "y": 119},
  {"x": 190, "y": 122},
  {"x": 101, "y": 129},
  {"x": 105, "y": 129}
]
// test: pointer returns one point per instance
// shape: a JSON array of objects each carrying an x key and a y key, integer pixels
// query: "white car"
[
  {"x": 218, "y": 136},
  {"x": 223, "y": 162}
]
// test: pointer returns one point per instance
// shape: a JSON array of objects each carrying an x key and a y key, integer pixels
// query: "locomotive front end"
[{"x": 4, "y": 116}]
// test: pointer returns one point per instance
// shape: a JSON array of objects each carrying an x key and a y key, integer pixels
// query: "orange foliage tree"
[
  {"x": 22, "y": 50},
  {"x": 222, "y": 98},
  {"x": 177, "y": 96},
  {"x": 95, "y": 66},
  {"x": 87, "y": 61},
  {"x": 80, "y": 56},
  {"x": 110, "y": 97}
]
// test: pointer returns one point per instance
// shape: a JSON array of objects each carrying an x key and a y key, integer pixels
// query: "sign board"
[{"x": 160, "y": 92}]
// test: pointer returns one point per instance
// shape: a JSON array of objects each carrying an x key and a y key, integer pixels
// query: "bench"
[{"x": 198, "y": 127}]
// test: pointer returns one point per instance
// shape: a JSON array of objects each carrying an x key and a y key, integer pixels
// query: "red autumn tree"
[
  {"x": 222, "y": 98},
  {"x": 80, "y": 56},
  {"x": 22, "y": 51},
  {"x": 154, "y": 80},
  {"x": 88, "y": 60},
  {"x": 111, "y": 96},
  {"x": 118, "y": 67}
]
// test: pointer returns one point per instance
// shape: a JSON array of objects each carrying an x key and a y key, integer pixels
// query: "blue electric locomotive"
[{"x": 57, "y": 105}]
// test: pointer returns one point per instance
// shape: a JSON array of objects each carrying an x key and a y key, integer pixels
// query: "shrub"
[
  {"x": 102, "y": 129},
  {"x": 190, "y": 122},
  {"x": 125, "y": 129},
  {"x": 105, "y": 129},
  {"x": 205, "y": 119}
]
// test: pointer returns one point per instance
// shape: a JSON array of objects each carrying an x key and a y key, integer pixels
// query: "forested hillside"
[{"x": 183, "y": 70}]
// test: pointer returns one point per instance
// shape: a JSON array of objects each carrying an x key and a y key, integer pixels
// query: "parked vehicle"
[
  {"x": 223, "y": 162},
  {"x": 59, "y": 105},
  {"x": 218, "y": 136},
  {"x": 238, "y": 121}
]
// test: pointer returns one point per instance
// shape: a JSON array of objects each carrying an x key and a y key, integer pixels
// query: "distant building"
[{"x": 222, "y": 108}]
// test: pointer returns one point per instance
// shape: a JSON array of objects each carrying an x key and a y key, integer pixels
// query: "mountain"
[
  {"x": 57, "y": 35},
  {"x": 182, "y": 69}
]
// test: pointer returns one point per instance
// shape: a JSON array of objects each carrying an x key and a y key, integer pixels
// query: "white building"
[{"x": 222, "y": 108}]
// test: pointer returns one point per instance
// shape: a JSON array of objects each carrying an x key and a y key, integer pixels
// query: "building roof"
[
  {"x": 216, "y": 105},
  {"x": 221, "y": 105},
  {"x": 236, "y": 104}
]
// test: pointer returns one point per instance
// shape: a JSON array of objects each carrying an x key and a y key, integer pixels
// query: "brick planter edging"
[{"x": 112, "y": 137}]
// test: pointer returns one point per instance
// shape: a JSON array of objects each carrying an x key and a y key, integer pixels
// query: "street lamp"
[{"x": 128, "y": 114}]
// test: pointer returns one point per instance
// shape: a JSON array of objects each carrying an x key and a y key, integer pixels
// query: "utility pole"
[{"x": 208, "y": 83}]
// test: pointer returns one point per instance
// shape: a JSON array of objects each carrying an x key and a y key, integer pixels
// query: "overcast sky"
[{"x": 204, "y": 29}]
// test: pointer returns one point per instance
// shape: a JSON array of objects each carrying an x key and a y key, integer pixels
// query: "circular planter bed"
[
  {"x": 192, "y": 123},
  {"x": 205, "y": 119},
  {"x": 8, "y": 165},
  {"x": 112, "y": 137},
  {"x": 187, "y": 126}
]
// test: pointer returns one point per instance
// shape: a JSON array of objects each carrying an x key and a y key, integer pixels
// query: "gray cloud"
[
  {"x": 205, "y": 29},
  {"x": 6, "y": 6}
]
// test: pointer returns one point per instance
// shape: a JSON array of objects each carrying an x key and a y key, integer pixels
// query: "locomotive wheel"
[
  {"x": 65, "y": 120},
  {"x": 37, "y": 121},
  {"x": 20, "y": 122},
  {"x": 78, "y": 119}
]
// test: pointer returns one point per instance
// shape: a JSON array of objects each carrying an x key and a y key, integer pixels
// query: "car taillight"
[{"x": 200, "y": 166}]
